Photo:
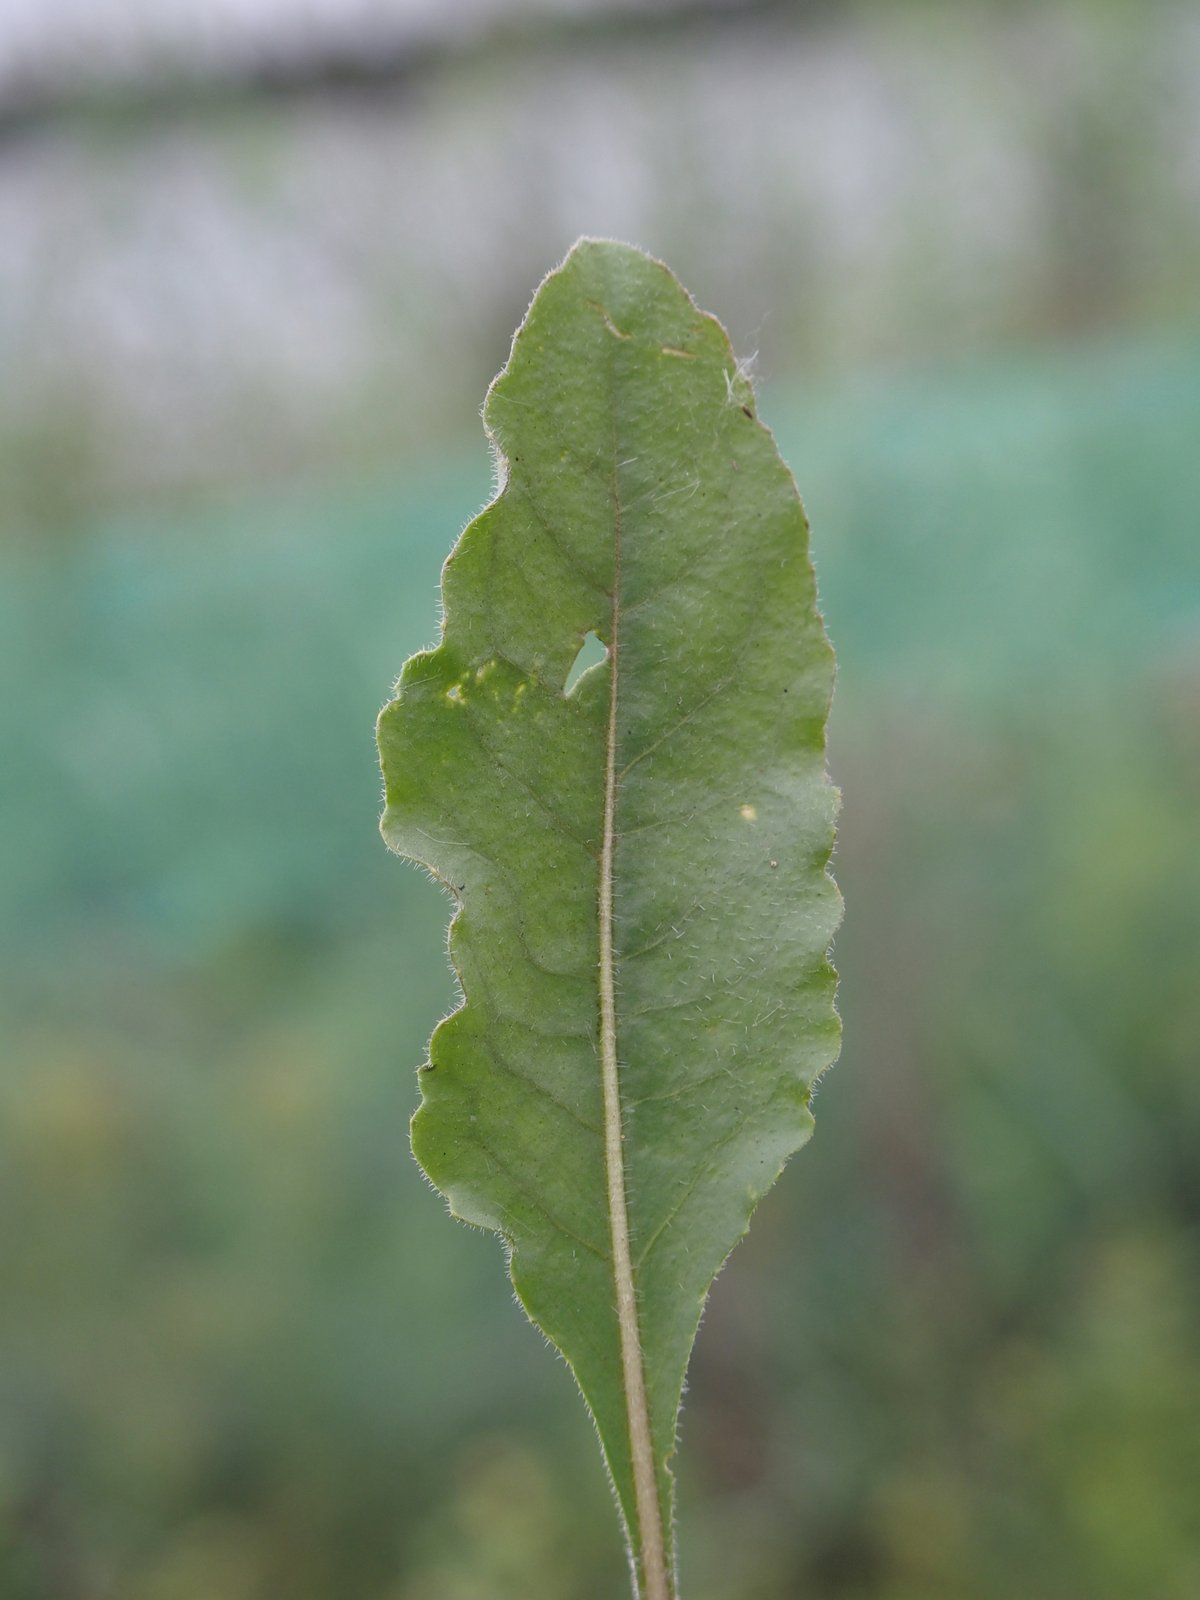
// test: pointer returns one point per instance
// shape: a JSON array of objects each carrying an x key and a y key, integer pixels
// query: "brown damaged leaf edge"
[{"x": 644, "y": 910}]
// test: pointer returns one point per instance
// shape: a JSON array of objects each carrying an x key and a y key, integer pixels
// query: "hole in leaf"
[{"x": 590, "y": 651}]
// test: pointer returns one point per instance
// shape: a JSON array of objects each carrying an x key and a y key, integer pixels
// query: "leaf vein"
[
  {"x": 502, "y": 1065},
  {"x": 698, "y": 1177},
  {"x": 551, "y": 815},
  {"x": 538, "y": 1204},
  {"x": 718, "y": 688}
]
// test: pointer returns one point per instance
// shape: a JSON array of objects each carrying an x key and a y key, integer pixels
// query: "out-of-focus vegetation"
[
  {"x": 262, "y": 284},
  {"x": 241, "y": 1353}
]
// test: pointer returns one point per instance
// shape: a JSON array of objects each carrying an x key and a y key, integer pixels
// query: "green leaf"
[{"x": 644, "y": 910}]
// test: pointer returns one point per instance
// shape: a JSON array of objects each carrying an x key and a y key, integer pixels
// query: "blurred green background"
[{"x": 257, "y": 264}]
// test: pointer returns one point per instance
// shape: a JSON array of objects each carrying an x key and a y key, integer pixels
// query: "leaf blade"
[{"x": 642, "y": 873}]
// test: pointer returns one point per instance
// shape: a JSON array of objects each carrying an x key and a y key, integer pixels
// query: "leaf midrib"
[{"x": 650, "y": 1538}]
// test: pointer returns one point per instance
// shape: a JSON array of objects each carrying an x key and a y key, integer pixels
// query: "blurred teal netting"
[{"x": 243, "y": 1355}]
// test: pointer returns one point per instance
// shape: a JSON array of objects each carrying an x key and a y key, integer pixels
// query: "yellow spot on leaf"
[{"x": 749, "y": 814}]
